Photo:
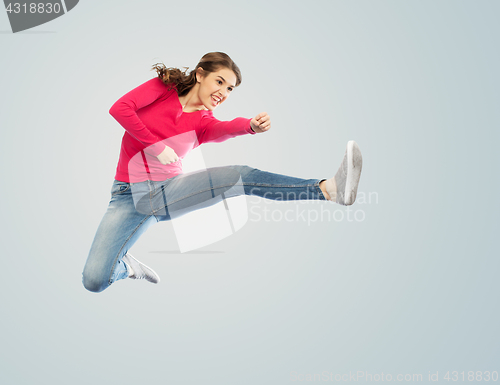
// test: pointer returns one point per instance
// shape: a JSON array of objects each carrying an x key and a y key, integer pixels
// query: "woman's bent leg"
[{"x": 119, "y": 229}]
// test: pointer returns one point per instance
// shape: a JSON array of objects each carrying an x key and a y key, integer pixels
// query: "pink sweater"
[{"x": 152, "y": 117}]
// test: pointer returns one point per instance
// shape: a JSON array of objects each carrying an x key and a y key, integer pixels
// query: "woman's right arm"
[{"x": 125, "y": 112}]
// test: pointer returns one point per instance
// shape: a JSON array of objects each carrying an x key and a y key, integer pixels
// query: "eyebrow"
[{"x": 225, "y": 80}]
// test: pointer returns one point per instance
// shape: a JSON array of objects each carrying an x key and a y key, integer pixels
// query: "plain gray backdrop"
[{"x": 412, "y": 288}]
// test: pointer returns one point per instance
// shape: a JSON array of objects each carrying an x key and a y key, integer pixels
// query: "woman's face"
[{"x": 215, "y": 87}]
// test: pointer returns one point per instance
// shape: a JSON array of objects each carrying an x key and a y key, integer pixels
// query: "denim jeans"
[{"x": 136, "y": 206}]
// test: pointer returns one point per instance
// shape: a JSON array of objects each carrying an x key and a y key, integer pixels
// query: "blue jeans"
[{"x": 136, "y": 206}]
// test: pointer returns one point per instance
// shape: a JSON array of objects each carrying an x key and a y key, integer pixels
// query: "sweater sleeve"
[
  {"x": 213, "y": 130},
  {"x": 125, "y": 112}
]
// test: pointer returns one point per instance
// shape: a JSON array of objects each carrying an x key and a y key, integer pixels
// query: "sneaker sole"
[
  {"x": 155, "y": 274},
  {"x": 354, "y": 165}
]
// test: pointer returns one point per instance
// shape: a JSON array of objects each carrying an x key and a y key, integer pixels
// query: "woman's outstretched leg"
[{"x": 188, "y": 192}]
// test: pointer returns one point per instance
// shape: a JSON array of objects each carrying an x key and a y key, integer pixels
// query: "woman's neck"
[{"x": 191, "y": 102}]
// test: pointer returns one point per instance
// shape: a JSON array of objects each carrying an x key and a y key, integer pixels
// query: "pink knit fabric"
[{"x": 152, "y": 117}]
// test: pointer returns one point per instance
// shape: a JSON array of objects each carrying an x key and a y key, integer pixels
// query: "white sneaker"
[
  {"x": 344, "y": 185},
  {"x": 138, "y": 270}
]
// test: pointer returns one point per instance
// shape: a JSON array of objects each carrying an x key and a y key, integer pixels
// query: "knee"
[
  {"x": 242, "y": 171},
  {"x": 91, "y": 283}
]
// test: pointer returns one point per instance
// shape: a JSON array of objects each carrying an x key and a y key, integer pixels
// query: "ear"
[{"x": 200, "y": 74}]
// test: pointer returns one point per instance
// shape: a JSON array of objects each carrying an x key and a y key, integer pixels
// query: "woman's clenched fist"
[{"x": 261, "y": 123}]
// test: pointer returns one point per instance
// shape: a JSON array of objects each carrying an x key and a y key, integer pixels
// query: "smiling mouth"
[{"x": 216, "y": 100}]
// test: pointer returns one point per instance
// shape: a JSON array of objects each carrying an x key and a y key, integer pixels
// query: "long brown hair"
[{"x": 210, "y": 62}]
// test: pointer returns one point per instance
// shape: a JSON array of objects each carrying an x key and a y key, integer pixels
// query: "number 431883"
[
  {"x": 471, "y": 376},
  {"x": 33, "y": 8}
]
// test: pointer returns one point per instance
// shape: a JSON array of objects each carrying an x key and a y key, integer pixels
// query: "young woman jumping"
[{"x": 164, "y": 119}]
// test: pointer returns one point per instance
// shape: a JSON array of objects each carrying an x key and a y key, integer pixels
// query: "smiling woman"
[{"x": 164, "y": 119}]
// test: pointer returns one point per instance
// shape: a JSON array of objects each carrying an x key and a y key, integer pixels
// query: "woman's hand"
[
  {"x": 167, "y": 156},
  {"x": 261, "y": 123}
]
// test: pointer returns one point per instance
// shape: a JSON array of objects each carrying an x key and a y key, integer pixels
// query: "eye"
[
  {"x": 219, "y": 82},
  {"x": 229, "y": 89}
]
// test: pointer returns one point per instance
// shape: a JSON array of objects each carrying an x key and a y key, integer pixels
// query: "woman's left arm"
[{"x": 213, "y": 130}]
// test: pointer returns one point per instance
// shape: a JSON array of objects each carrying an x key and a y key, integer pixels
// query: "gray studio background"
[{"x": 411, "y": 289}]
